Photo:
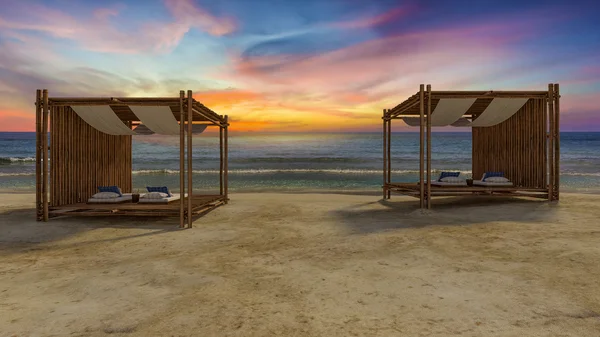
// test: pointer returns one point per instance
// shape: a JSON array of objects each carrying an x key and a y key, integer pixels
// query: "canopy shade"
[
  {"x": 103, "y": 119},
  {"x": 455, "y": 111},
  {"x": 159, "y": 119},
  {"x": 122, "y": 106}
]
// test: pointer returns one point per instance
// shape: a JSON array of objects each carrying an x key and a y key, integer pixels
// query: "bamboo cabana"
[
  {"x": 514, "y": 132},
  {"x": 90, "y": 145}
]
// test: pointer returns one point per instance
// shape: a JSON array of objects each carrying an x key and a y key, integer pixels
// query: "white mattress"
[
  {"x": 489, "y": 183},
  {"x": 124, "y": 198},
  {"x": 444, "y": 183},
  {"x": 173, "y": 197}
]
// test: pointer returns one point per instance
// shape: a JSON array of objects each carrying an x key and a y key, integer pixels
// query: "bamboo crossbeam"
[
  {"x": 113, "y": 99},
  {"x": 417, "y": 116}
]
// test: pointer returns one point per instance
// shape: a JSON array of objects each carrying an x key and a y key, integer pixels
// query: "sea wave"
[
  {"x": 19, "y": 174},
  {"x": 11, "y": 160},
  {"x": 270, "y": 171},
  {"x": 292, "y": 171}
]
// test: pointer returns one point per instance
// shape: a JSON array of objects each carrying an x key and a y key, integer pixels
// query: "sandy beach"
[{"x": 307, "y": 265}]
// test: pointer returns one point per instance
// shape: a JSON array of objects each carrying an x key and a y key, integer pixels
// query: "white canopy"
[
  {"x": 159, "y": 119},
  {"x": 449, "y": 111},
  {"x": 499, "y": 110},
  {"x": 103, "y": 119},
  {"x": 154, "y": 119}
]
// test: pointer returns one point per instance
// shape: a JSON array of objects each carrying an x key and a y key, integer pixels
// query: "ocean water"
[{"x": 300, "y": 162}]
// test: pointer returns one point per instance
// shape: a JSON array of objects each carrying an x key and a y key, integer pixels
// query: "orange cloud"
[{"x": 226, "y": 98}]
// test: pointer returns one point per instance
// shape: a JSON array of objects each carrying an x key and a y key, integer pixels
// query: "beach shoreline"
[{"x": 307, "y": 264}]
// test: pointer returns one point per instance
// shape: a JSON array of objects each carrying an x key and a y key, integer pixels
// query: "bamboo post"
[
  {"x": 421, "y": 141},
  {"x": 389, "y": 155},
  {"x": 190, "y": 117},
  {"x": 45, "y": 154},
  {"x": 551, "y": 141},
  {"x": 557, "y": 139},
  {"x": 429, "y": 146},
  {"x": 385, "y": 158},
  {"x": 226, "y": 159},
  {"x": 221, "y": 159},
  {"x": 181, "y": 160},
  {"x": 38, "y": 155}
]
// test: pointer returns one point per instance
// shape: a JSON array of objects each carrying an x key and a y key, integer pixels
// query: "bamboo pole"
[
  {"x": 181, "y": 159},
  {"x": 45, "y": 153},
  {"x": 190, "y": 156},
  {"x": 226, "y": 159},
  {"x": 385, "y": 158},
  {"x": 429, "y": 146},
  {"x": 557, "y": 139},
  {"x": 221, "y": 159},
  {"x": 551, "y": 141},
  {"x": 421, "y": 141},
  {"x": 389, "y": 155},
  {"x": 38, "y": 153}
]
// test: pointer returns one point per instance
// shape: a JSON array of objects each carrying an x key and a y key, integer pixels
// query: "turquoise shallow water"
[{"x": 296, "y": 162}]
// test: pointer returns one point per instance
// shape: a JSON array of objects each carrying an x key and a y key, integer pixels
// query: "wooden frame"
[
  {"x": 526, "y": 146},
  {"x": 82, "y": 158}
]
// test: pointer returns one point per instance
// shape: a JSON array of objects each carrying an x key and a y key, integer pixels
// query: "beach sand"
[{"x": 307, "y": 265}]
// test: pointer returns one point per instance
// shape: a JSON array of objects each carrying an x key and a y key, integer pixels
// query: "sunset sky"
[{"x": 297, "y": 65}]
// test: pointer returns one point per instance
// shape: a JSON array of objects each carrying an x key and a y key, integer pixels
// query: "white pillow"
[
  {"x": 105, "y": 195},
  {"x": 155, "y": 195},
  {"x": 497, "y": 180},
  {"x": 453, "y": 180}
]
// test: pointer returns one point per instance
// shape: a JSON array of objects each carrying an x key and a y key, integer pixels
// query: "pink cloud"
[
  {"x": 98, "y": 33},
  {"x": 186, "y": 12},
  {"x": 372, "y": 20},
  {"x": 366, "y": 70}
]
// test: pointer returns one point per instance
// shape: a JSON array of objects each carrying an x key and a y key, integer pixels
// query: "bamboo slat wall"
[
  {"x": 515, "y": 147},
  {"x": 83, "y": 158}
]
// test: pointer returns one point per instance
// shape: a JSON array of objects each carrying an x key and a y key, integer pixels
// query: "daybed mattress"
[
  {"x": 126, "y": 197},
  {"x": 173, "y": 197},
  {"x": 489, "y": 183},
  {"x": 444, "y": 183}
]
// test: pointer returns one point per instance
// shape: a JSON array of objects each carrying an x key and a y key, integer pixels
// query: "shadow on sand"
[
  {"x": 401, "y": 212},
  {"x": 20, "y": 231}
]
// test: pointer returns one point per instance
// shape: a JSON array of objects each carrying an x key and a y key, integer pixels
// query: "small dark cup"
[
  {"x": 135, "y": 197},
  {"x": 469, "y": 182}
]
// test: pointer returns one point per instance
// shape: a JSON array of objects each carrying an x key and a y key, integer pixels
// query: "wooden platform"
[
  {"x": 200, "y": 205},
  {"x": 413, "y": 190}
]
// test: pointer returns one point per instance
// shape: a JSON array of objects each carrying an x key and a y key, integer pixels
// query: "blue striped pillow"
[
  {"x": 448, "y": 174},
  {"x": 114, "y": 189},
  {"x": 492, "y": 174},
  {"x": 161, "y": 189}
]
